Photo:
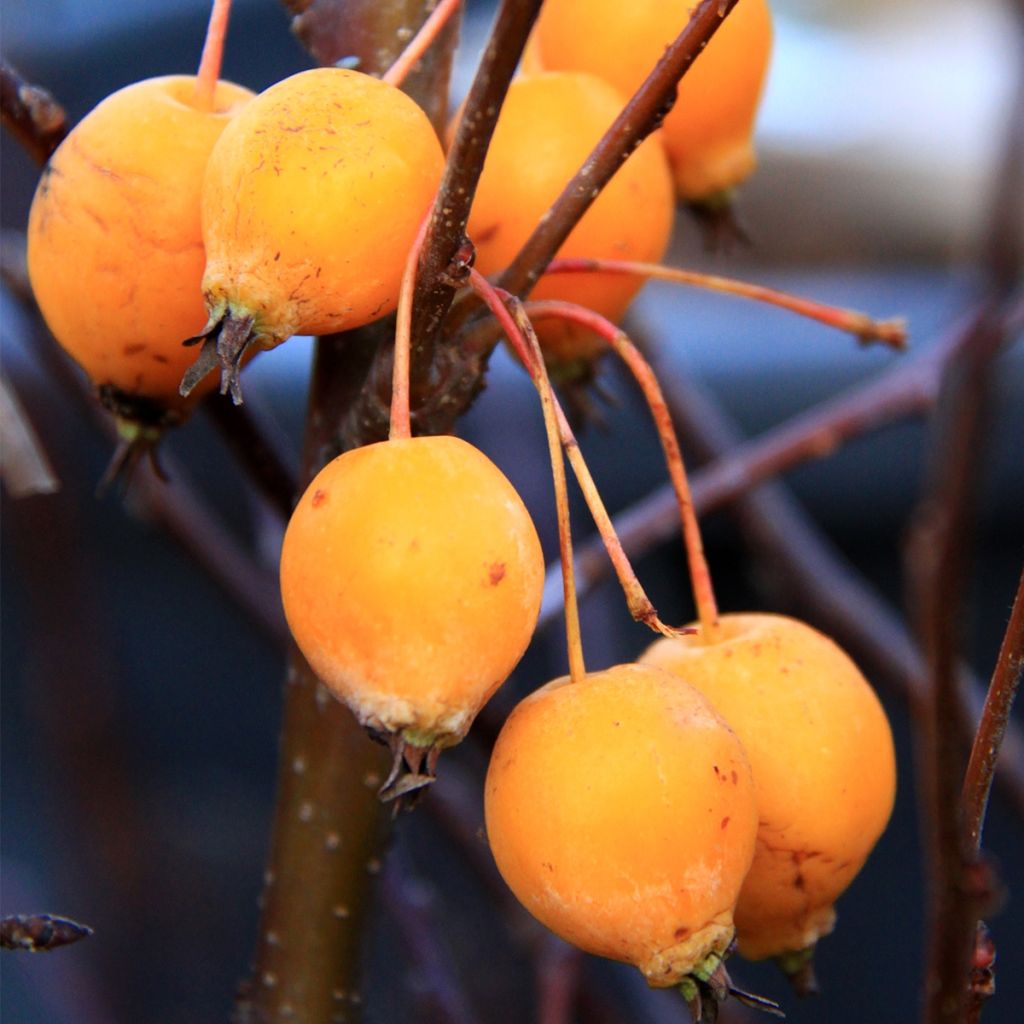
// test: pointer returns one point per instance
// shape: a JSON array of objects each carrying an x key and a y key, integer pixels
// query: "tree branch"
[{"x": 31, "y": 115}]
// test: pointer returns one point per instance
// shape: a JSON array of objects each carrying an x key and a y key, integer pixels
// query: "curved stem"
[
  {"x": 401, "y": 426},
  {"x": 866, "y": 329},
  {"x": 213, "y": 53},
  {"x": 523, "y": 337},
  {"x": 700, "y": 575}
]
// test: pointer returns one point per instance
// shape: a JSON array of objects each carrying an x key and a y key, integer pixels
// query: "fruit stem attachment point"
[
  {"x": 510, "y": 314},
  {"x": 798, "y": 967},
  {"x": 213, "y": 52},
  {"x": 225, "y": 342},
  {"x": 709, "y": 985},
  {"x": 413, "y": 768}
]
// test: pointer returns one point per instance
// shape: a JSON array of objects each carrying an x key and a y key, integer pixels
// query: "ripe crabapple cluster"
[{"x": 728, "y": 786}]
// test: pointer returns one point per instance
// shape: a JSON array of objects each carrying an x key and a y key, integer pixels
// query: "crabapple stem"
[
  {"x": 429, "y": 30},
  {"x": 213, "y": 53},
  {"x": 401, "y": 425},
  {"x": 700, "y": 575},
  {"x": 520, "y": 332},
  {"x": 640, "y": 606},
  {"x": 866, "y": 329}
]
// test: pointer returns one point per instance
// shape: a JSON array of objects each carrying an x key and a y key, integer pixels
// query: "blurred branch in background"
[{"x": 31, "y": 114}]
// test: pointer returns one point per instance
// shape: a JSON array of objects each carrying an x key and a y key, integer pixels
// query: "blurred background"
[{"x": 141, "y": 704}]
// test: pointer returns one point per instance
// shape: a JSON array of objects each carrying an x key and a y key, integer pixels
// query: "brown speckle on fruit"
[
  {"x": 319, "y": 497},
  {"x": 496, "y": 573}
]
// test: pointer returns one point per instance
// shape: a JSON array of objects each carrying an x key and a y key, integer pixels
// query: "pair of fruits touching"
[
  {"x": 622, "y": 809},
  {"x": 139, "y": 240},
  {"x": 262, "y": 217},
  {"x": 744, "y": 775}
]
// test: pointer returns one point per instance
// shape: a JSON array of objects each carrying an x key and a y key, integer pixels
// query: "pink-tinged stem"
[
  {"x": 401, "y": 425},
  {"x": 700, "y": 575},
  {"x": 639, "y": 603},
  {"x": 213, "y": 53},
  {"x": 429, "y": 31},
  {"x": 863, "y": 327},
  {"x": 525, "y": 342}
]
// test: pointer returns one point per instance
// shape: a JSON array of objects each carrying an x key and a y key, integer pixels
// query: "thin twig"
[
  {"x": 31, "y": 115},
  {"x": 995, "y": 717},
  {"x": 865, "y": 328},
  {"x": 24, "y": 466},
  {"x": 938, "y": 556},
  {"x": 439, "y": 993},
  {"x": 39, "y": 933}
]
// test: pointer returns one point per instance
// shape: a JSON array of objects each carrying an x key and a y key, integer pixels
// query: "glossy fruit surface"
[
  {"x": 708, "y": 132},
  {"x": 115, "y": 250},
  {"x": 548, "y": 126},
  {"x": 311, "y": 202},
  {"x": 411, "y": 576},
  {"x": 620, "y": 810},
  {"x": 822, "y": 755}
]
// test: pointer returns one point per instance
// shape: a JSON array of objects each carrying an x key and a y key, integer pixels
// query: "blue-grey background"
[{"x": 141, "y": 707}]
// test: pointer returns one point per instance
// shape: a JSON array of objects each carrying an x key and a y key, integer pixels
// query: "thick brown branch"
[
  {"x": 329, "y": 827},
  {"x": 31, "y": 115}
]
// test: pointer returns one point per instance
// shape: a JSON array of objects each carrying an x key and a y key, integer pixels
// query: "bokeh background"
[{"x": 141, "y": 702}]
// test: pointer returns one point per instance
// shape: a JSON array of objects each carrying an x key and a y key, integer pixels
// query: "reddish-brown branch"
[
  {"x": 995, "y": 718},
  {"x": 444, "y": 379},
  {"x": 31, "y": 115},
  {"x": 939, "y": 556}
]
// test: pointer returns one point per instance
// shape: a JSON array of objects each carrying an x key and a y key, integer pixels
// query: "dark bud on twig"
[
  {"x": 983, "y": 965},
  {"x": 39, "y": 933}
]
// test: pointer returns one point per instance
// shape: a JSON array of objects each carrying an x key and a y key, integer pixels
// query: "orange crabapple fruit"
[
  {"x": 708, "y": 132},
  {"x": 310, "y": 205},
  {"x": 115, "y": 248},
  {"x": 411, "y": 576},
  {"x": 620, "y": 811},
  {"x": 822, "y": 756},
  {"x": 548, "y": 125}
]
